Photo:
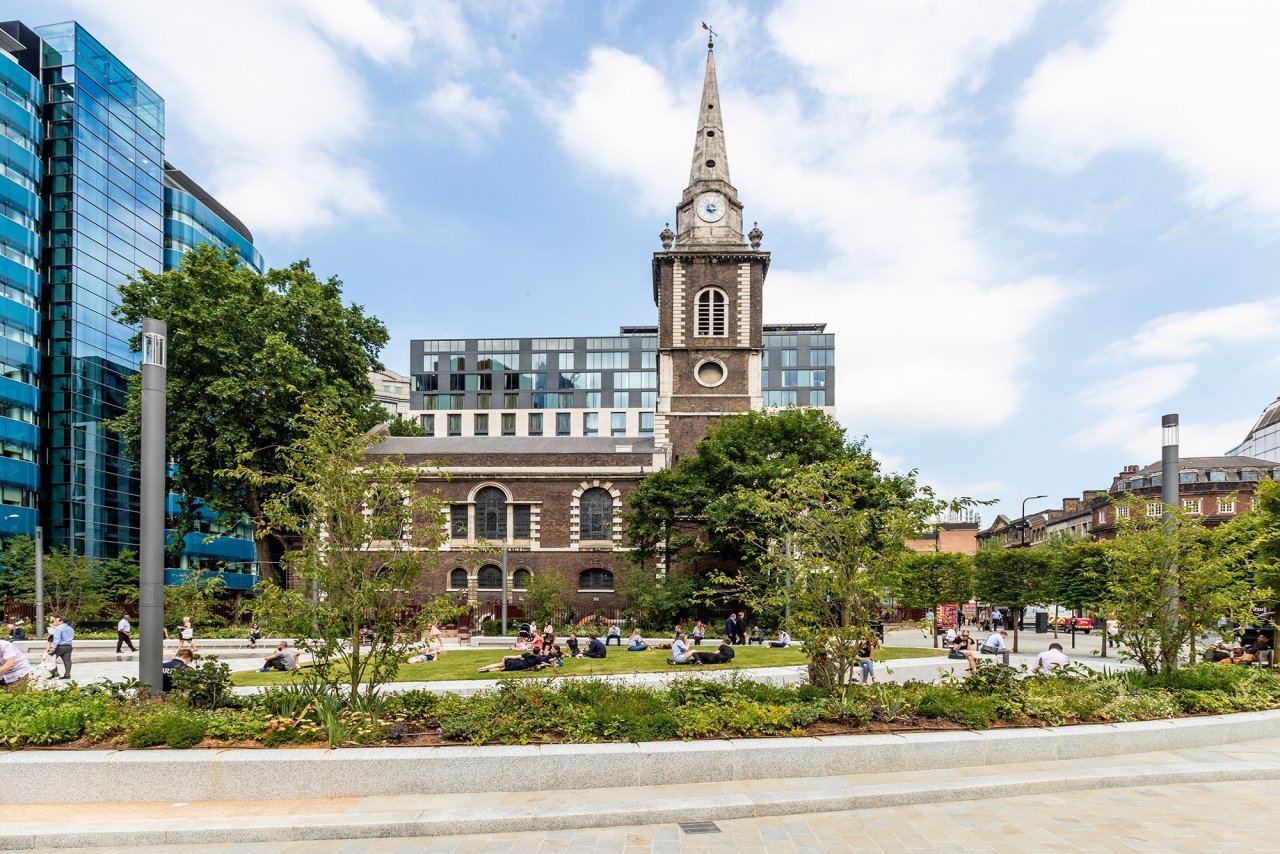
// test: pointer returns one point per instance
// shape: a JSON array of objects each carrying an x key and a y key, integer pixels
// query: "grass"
[{"x": 461, "y": 664}]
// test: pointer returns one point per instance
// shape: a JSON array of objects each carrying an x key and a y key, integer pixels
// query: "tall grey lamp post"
[
  {"x": 504, "y": 591},
  {"x": 1023, "y": 517},
  {"x": 151, "y": 536},
  {"x": 1169, "y": 498}
]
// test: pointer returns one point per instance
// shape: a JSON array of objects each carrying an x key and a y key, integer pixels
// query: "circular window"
[
  {"x": 711, "y": 164},
  {"x": 711, "y": 133},
  {"x": 710, "y": 373}
]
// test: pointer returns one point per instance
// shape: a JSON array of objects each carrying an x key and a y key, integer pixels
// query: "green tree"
[
  {"x": 401, "y": 426},
  {"x": 547, "y": 593},
  {"x": 1166, "y": 587},
  {"x": 1252, "y": 539},
  {"x": 196, "y": 595},
  {"x": 117, "y": 579},
  {"x": 1014, "y": 578},
  {"x": 695, "y": 510},
  {"x": 368, "y": 534},
  {"x": 18, "y": 569},
  {"x": 656, "y": 600},
  {"x": 245, "y": 352},
  {"x": 933, "y": 578},
  {"x": 69, "y": 588}
]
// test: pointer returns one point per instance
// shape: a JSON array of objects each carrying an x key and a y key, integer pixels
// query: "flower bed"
[{"x": 533, "y": 711}]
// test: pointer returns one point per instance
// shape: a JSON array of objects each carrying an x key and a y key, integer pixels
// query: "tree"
[
  {"x": 117, "y": 579},
  {"x": 69, "y": 586},
  {"x": 401, "y": 426},
  {"x": 1166, "y": 586},
  {"x": 194, "y": 596},
  {"x": 367, "y": 536},
  {"x": 246, "y": 352},
  {"x": 1252, "y": 539},
  {"x": 694, "y": 510},
  {"x": 930, "y": 579},
  {"x": 18, "y": 569},
  {"x": 1014, "y": 578},
  {"x": 657, "y": 599},
  {"x": 547, "y": 593}
]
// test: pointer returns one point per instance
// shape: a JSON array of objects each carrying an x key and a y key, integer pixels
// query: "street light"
[
  {"x": 39, "y": 576},
  {"x": 152, "y": 500},
  {"x": 1023, "y": 517}
]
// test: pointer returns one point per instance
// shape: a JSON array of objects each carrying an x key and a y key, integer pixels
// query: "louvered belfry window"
[{"x": 712, "y": 314}]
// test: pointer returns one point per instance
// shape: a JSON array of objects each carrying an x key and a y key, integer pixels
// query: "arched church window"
[
  {"x": 458, "y": 579},
  {"x": 712, "y": 313},
  {"x": 490, "y": 578},
  {"x": 520, "y": 579},
  {"x": 491, "y": 514},
  {"x": 596, "y": 515},
  {"x": 595, "y": 579}
]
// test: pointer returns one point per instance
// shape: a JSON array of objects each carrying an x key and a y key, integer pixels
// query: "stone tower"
[{"x": 707, "y": 284}]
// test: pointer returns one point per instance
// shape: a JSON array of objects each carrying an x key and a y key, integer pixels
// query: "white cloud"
[
  {"x": 862, "y": 155},
  {"x": 455, "y": 109},
  {"x": 1187, "y": 80},
  {"x": 1126, "y": 414},
  {"x": 1193, "y": 333}
]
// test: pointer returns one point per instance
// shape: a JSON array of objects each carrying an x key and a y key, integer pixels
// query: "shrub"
[
  {"x": 175, "y": 729},
  {"x": 1141, "y": 707},
  {"x": 967, "y": 709},
  {"x": 205, "y": 685},
  {"x": 54, "y": 726},
  {"x": 1212, "y": 702}
]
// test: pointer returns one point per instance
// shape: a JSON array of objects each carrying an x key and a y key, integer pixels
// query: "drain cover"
[{"x": 699, "y": 827}]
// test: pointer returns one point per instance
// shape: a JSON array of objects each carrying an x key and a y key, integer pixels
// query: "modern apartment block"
[
  {"x": 1263, "y": 441},
  {"x": 604, "y": 386},
  {"x": 88, "y": 200}
]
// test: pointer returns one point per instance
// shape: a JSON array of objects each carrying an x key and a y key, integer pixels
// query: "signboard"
[{"x": 947, "y": 616}]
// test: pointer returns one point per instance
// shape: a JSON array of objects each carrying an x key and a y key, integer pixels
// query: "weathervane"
[{"x": 711, "y": 36}]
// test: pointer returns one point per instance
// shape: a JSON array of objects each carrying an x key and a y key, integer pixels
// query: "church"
[{"x": 551, "y": 500}]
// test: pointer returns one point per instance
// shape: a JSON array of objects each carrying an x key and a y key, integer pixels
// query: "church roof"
[
  {"x": 568, "y": 445},
  {"x": 710, "y": 157}
]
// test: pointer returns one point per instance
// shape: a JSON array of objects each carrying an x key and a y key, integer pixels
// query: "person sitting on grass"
[
  {"x": 757, "y": 636},
  {"x": 512, "y": 663},
  {"x": 721, "y": 656},
  {"x": 595, "y": 649},
  {"x": 783, "y": 641},
  {"x": 680, "y": 651},
  {"x": 572, "y": 643},
  {"x": 283, "y": 659},
  {"x": 636, "y": 642}
]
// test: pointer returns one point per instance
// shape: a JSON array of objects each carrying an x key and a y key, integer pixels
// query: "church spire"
[{"x": 710, "y": 158}]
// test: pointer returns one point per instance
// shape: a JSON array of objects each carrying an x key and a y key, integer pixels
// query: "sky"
[{"x": 1033, "y": 228}]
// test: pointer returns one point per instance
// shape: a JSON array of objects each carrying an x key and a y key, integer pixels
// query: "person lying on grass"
[
  {"x": 512, "y": 663},
  {"x": 721, "y": 656}
]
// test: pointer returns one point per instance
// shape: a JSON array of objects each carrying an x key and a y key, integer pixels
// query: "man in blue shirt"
[
  {"x": 61, "y": 637},
  {"x": 595, "y": 649}
]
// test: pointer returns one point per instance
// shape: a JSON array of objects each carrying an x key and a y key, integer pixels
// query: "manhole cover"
[{"x": 699, "y": 827}]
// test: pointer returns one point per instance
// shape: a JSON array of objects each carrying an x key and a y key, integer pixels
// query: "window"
[
  {"x": 508, "y": 423},
  {"x": 1191, "y": 505},
  {"x": 484, "y": 400},
  {"x": 491, "y": 514},
  {"x": 489, "y": 578},
  {"x": 608, "y": 361},
  {"x": 780, "y": 398},
  {"x": 1188, "y": 477},
  {"x": 428, "y": 423},
  {"x": 649, "y": 360},
  {"x": 1249, "y": 474},
  {"x": 646, "y": 423},
  {"x": 510, "y": 401},
  {"x": 520, "y": 522},
  {"x": 595, "y": 515},
  {"x": 566, "y": 361},
  {"x": 1217, "y": 476},
  {"x": 818, "y": 397},
  {"x": 648, "y": 399},
  {"x": 822, "y": 358},
  {"x": 618, "y": 423},
  {"x": 592, "y": 400},
  {"x": 1122, "y": 512},
  {"x": 481, "y": 424},
  {"x": 535, "y": 423},
  {"x": 1226, "y": 505},
  {"x": 427, "y": 382},
  {"x": 458, "y": 521},
  {"x": 562, "y": 423},
  {"x": 430, "y": 362},
  {"x": 788, "y": 359},
  {"x": 590, "y": 423},
  {"x": 712, "y": 314},
  {"x": 458, "y": 578},
  {"x": 1155, "y": 509},
  {"x": 621, "y": 399},
  {"x": 455, "y": 424},
  {"x": 457, "y": 363},
  {"x": 520, "y": 579},
  {"x": 595, "y": 579}
]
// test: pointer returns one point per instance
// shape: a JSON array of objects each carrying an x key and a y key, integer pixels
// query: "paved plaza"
[{"x": 1212, "y": 817}]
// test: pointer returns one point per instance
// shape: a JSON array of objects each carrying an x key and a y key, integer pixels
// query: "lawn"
[{"x": 461, "y": 664}]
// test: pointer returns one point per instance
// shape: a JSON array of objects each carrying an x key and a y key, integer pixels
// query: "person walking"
[
  {"x": 730, "y": 627},
  {"x": 741, "y": 623},
  {"x": 122, "y": 634},
  {"x": 186, "y": 635},
  {"x": 14, "y": 667},
  {"x": 61, "y": 639}
]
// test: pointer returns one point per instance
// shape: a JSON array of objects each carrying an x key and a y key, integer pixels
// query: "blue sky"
[{"x": 1033, "y": 227}]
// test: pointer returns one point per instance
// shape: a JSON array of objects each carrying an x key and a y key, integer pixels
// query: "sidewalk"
[{"x": 548, "y": 809}]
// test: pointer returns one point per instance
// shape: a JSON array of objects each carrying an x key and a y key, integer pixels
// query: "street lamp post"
[
  {"x": 1023, "y": 517},
  {"x": 152, "y": 476},
  {"x": 1169, "y": 498}
]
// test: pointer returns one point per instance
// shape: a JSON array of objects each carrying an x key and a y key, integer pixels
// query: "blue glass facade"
[
  {"x": 192, "y": 217},
  {"x": 21, "y": 173}
]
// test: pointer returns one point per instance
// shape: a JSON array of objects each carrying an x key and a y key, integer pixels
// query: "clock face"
[{"x": 711, "y": 207}]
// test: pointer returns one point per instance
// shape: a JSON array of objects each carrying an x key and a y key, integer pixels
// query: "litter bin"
[
  {"x": 1042, "y": 622},
  {"x": 879, "y": 630}
]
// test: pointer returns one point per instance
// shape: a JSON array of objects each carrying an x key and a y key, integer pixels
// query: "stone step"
[{"x": 411, "y": 815}]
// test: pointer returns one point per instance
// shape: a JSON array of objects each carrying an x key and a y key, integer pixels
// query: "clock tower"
[{"x": 707, "y": 284}]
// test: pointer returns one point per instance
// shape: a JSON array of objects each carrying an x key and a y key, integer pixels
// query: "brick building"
[{"x": 554, "y": 503}]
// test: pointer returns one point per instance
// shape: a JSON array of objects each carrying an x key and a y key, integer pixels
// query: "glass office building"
[
  {"x": 605, "y": 386},
  {"x": 1263, "y": 441},
  {"x": 86, "y": 201},
  {"x": 21, "y": 172}
]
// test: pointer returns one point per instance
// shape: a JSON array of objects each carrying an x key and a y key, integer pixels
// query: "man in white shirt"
[
  {"x": 1051, "y": 657},
  {"x": 995, "y": 645},
  {"x": 14, "y": 667},
  {"x": 122, "y": 634},
  {"x": 783, "y": 641}
]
